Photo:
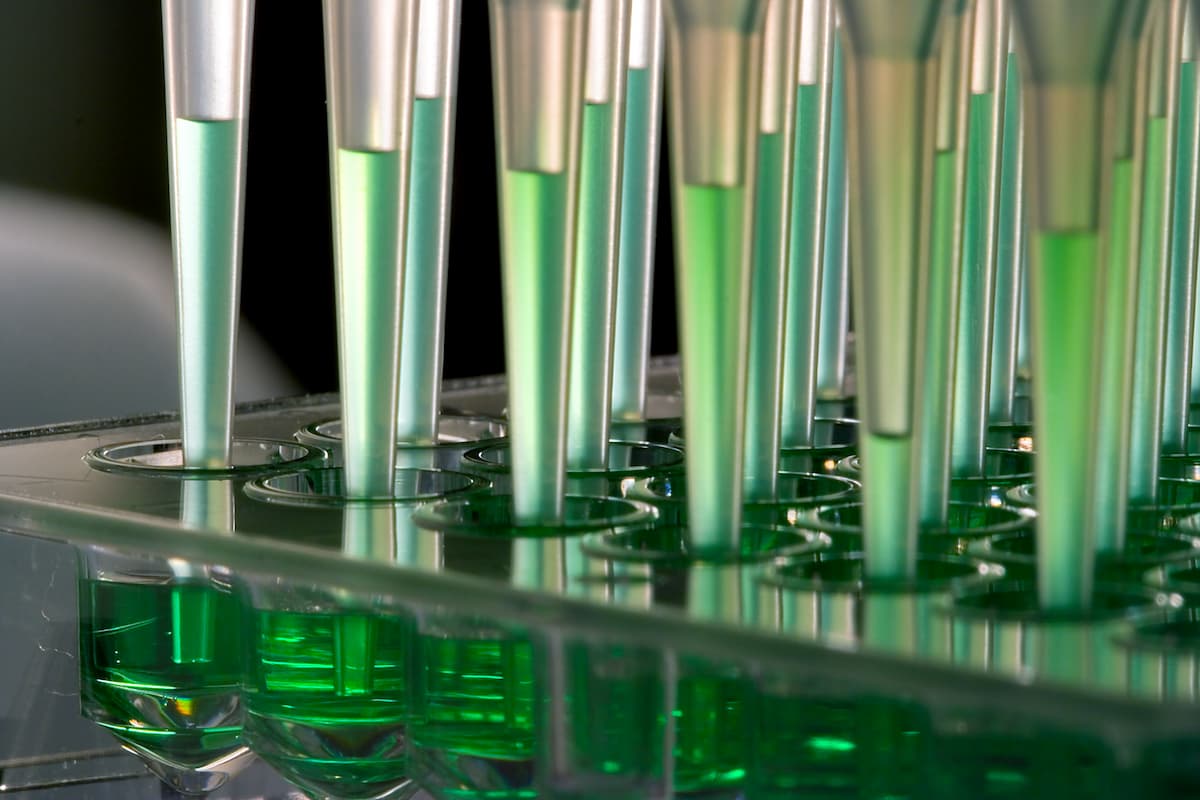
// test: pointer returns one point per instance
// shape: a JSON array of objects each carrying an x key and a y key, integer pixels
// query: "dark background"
[{"x": 84, "y": 117}]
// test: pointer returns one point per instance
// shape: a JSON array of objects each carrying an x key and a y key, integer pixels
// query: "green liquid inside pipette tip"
[
  {"x": 938, "y": 348},
  {"x": 711, "y": 289},
  {"x": 369, "y": 276},
  {"x": 1065, "y": 289},
  {"x": 1180, "y": 293},
  {"x": 766, "y": 324},
  {"x": 1007, "y": 276},
  {"x": 832, "y": 318},
  {"x": 591, "y": 323},
  {"x": 1145, "y": 446},
  {"x": 802, "y": 318},
  {"x": 889, "y": 522},
  {"x": 537, "y": 292},
  {"x": 207, "y": 220},
  {"x": 420, "y": 340},
  {"x": 973, "y": 361},
  {"x": 632, "y": 337},
  {"x": 1112, "y": 412}
]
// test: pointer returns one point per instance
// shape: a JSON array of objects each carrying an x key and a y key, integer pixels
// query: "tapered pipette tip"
[
  {"x": 370, "y": 71},
  {"x": 207, "y": 62},
  {"x": 889, "y": 117},
  {"x": 1067, "y": 48},
  {"x": 538, "y": 51},
  {"x": 714, "y": 71}
]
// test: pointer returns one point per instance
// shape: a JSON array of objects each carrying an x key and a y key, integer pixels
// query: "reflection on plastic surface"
[{"x": 359, "y": 655}]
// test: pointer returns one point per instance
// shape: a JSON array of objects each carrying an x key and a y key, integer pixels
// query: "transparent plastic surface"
[{"x": 480, "y": 658}]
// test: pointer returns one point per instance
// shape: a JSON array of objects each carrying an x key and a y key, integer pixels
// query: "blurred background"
[{"x": 87, "y": 314}]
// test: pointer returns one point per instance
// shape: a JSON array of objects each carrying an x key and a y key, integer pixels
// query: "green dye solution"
[
  {"x": 424, "y": 275},
  {"x": 1002, "y": 384},
  {"x": 832, "y": 323},
  {"x": 972, "y": 364},
  {"x": 938, "y": 348},
  {"x": 889, "y": 518},
  {"x": 1112, "y": 430},
  {"x": 589, "y": 386},
  {"x": 615, "y": 702},
  {"x": 537, "y": 298},
  {"x": 710, "y": 716},
  {"x": 713, "y": 287},
  {"x": 1065, "y": 294},
  {"x": 206, "y": 227},
  {"x": 767, "y": 290},
  {"x": 631, "y": 343},
  {"x": 328, "y": 699},
  {"x": 368, "y": 286},
  {"x": 475, "y": 697},
  {"x": 804, "y": 284},
  {"x": 160, "y": 666},
  {"x": 1032, "y": 765},
  {"x": 1180, "y": 290},
  {"x": 807, "y": 746},
  {"x": 1145, "y": 439}
]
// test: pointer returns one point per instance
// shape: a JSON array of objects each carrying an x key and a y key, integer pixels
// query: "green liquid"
[
  {"x": 834, "y": 308},
  {"x": 369, "y": 275},
  {"x": 1065, "y": 297},
  {"x": 1009, "y": 255},
  {"x": 808, "y": 746},
  {"x": 588, "y": 394},
  {"x": 768, "y": 285},
  {"x": 1180, "y": 291},
  {"x": 1146, "y": 432},
  {"x": 536, "y": 214},
  {"x": 889, "y": 510},
  {"x": 804, "y": 284},
  {"x": 713, "y": 292},
  {"x": 1040, "y": 764},
  {"x": 476, "y": 696},
  {"x": 1024, "y": 334},
  {"x": 473, "y": 729},
  {"x": 711, "y": 745},
  {"x": 1112, "y": 430},
  {"x": 938, "y": 348},
  {"x": 159, "y": 668},
  {"x": 423, "y": 316},
  {"x": 207, "y": 223},
  {"x": 327, "y": 699},
  {"x": 972, "y": 364},
  {"x": 615, "y": 703},
  {"x": 635, "y": 270}
]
